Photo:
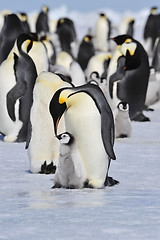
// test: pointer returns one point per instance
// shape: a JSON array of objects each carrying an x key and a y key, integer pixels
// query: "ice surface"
[{"x": 30, "y": 209}]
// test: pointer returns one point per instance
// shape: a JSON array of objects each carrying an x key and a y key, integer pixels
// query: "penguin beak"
[{"x": 57, "y": 108}]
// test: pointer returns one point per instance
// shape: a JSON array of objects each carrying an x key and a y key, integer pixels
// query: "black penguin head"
[
  {"x": 102, "y": 15},
  {"x": 65, "y": 138},
  {"x": 88, "y": 38},
  {"x": 123, "y": 106},
  {"x": 22, "y": 16},
  {"x": 153, "y": 10},
  {"x": 21, "y": 39},
  {"x": 120, "y": 39}
]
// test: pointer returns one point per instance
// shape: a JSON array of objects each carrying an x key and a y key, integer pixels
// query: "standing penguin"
[
  {"x": 127, "y": 26},
  {"x": 42, "y": 24},
  {"x": 86, "y": 51},
  {"x": 156, "y": 59},
  {"x": 66, "y": 33},
  {"x": 11, "y": 29},
  {"x": 17, "y": 77},
  {"x": 133, "y": 72},
  {"x": 102, "y": 33},
  {"x": 26, "y": 74},
  {"x": 89, "y": 119},
  {"x": 42, "y": 145},
  {"x": 70, "y": 172},
  {"x": 151, "y": 30},
  {"x": 24, "y": 19},
  {"x": 122, "y": 122}
]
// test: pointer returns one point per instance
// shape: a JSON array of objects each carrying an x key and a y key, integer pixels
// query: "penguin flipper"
[
  {"x": 29, "y": 130},
  {"x": 15, "y": 93},
  {"x": 118, "y": 75}
]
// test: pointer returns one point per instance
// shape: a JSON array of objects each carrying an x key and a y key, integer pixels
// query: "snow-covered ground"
[{"x": 30, "y": 209}]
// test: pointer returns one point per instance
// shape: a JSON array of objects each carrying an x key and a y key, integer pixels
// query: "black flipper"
[{"x": 118, "y": 75}]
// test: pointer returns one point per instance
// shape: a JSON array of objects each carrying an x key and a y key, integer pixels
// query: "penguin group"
[{"x": 69, "y": 99}]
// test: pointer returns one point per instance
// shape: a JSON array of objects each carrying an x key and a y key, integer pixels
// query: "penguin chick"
[
  {"x": 70, "y": 172},
  {"x": 122, "y": 121}
]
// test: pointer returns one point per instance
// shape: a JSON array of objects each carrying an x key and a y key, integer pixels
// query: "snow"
[{"x": 30, "y": 209}]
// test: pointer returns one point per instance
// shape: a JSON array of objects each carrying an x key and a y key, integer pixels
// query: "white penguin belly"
[{"x": 84, "y": 122}]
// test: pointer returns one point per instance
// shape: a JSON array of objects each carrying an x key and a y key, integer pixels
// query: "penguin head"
[
  {"x": 45, "y": 9},
  {"x": 120, "y": 39},
  {"x": 153, "y": 10},
  {"x": 65, "y": 138},
  {"x": 22, "y": 16},
  {"x": 123, "y": 106},
  {"x": 24, "y": 43},
  {"x": 102, "y": 15},
  {"x": 88, "y": 38}
]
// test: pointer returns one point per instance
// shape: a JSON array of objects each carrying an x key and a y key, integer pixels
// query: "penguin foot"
[
  {"x": 110, "y": 182},
  {"x": 57, "y": 185},
  {"x": 47, "y": 169},
  {"x": 146, "y": 108},
  {"x": 87, "y": 185},
  {"x": 122, "y": 136},
  {"x": 140, "y": 117}
]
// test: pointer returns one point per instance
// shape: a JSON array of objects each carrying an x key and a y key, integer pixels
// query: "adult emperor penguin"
[
  {"x": 86, "y": 51},
  {"x": 98, "y": 63},
  {"x": 151, "y": 30},
  {"x": 102, "y": 33},
  {"x": 70, "y": 172},
  {"x": 17, "y": 75},
  {"x": 11, "y": 29},
  {"x": 38, "y": 49},
  {"x": 42, "y": 24},
  {"x": 89, "y": 119},
  {"x": 123, "y": 126},
  {"x": 156, "y": 59},
  {"x": 42, "y": 145},
  {"x": 24, "y": 19},
  {"x": 51, "y": 50},
  {"x": 66, "y": 33},
  {"x": 127, "y": 26},
  {"x": 133, "y": 72}
]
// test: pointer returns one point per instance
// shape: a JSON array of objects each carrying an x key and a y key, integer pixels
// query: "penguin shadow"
[{"x": 1, "y": 138}]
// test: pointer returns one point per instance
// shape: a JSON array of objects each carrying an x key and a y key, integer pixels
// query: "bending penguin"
[
  {"x": 70, "y": 173},
  {"x": 89, "y": 119}
]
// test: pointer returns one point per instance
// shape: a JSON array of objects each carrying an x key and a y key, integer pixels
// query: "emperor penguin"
[
  {"x": 151, "y": 30},
  {"x": 3, "y": 13},
  {"x": 39, "y": 55},
  {"x": 123, "y": 125},
  {"x": 24, "y": 20},
  {"x": 16, "y": 91},
  {"x": 102, "y": 33},
  {"x": 11, "y": 29},
  {"x": 156, "y": 59},
  {"x": 70, "y": 172},
  {"x": 127, "y": 26},
  {"x": 67, "y": 34},
  {"x": 86, "y": 51},
  {"x": 89, "y": 119},
  {"x": 51, "y": 50},
  {"x": 98, "y": 63},
  {"x": 42, "y": 22},
  {"x": 42, "y": 145},
  {"x": 133, "y": 72}
]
